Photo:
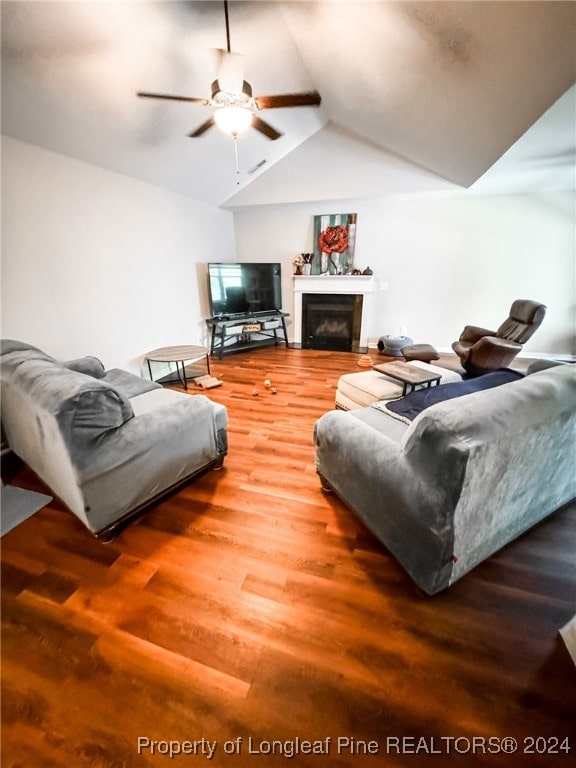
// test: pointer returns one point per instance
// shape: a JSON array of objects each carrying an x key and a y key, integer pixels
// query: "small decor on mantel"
[
  {"x": 334, "y": 241},
  {"x": 303, "y": 263}
]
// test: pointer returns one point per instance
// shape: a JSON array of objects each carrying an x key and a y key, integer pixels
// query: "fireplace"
[
  {"x": 331, "y": 321},
  {"x": 351, "y": 317}
]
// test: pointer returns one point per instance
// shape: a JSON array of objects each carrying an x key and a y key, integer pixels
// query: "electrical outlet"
[{"x": 383, "y": 286}]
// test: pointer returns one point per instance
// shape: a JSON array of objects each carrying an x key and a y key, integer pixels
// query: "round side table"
[{"x": 187, "y": 353}]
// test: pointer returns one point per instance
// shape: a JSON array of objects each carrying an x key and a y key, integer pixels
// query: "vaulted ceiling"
[{"x": 430, "y": 91}]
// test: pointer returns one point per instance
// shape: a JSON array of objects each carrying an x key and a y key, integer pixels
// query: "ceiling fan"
[{"x": 231, "y": 96}]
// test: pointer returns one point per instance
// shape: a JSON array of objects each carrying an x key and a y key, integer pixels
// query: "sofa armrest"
[
  {"x": 369, "y": 468},
  {"x": 344, "y": 443},
  {"x": 472, "y": 333},
  {"x": 89, "y": 366}
]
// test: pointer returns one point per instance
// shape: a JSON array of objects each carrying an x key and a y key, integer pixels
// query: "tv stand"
[{"x": 238, "y": 333}]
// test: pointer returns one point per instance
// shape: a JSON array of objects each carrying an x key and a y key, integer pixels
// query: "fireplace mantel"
[
  {"x": 334, "y": 284},
  {"x": 349, "y": 284}
]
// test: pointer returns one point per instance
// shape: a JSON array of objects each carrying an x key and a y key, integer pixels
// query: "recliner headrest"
[
  {"x": 526, "y": 311},
  {"x": 525, "y": 318}
]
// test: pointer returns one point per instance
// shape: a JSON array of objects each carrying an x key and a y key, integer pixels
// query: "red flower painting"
[{"x": 333, "y": 239}]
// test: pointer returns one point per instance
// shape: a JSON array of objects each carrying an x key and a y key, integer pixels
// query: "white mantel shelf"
[
  {"x": 348, "y": 284},
  {"x": 334, "y": 284}
]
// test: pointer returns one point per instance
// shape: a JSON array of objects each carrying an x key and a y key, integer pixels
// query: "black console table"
[{"x": 238, "y": 333}]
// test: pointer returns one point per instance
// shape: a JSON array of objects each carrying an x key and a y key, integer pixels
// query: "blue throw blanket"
[{"x": 407, "y": 408}]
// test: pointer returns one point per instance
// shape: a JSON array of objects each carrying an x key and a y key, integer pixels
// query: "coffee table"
[
  {"x": 186, "y": 353},
  {"x": 410, "y": 376}
]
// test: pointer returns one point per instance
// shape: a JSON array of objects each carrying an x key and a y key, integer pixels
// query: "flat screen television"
[{"x": 244, "y": 289}]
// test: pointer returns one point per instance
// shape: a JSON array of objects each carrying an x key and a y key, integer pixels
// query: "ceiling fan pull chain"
[{"x": 236, "y": 155}]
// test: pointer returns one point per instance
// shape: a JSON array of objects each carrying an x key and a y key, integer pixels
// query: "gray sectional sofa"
[
  {"x": 107, "y": 443},
  {"x": 450, "y": 487}
]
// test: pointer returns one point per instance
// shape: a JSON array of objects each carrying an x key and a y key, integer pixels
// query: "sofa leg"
[
  {"x": 108, "y": 534},
  {"x": 218, "y": 464}
]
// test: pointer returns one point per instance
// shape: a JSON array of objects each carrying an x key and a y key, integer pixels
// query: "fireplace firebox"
[
  {"x": 335, "y": 286},
  {"x": 331, "y": 321}
]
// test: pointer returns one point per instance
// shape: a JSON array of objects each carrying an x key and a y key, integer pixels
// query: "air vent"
[{"x": 256, "y": 167}]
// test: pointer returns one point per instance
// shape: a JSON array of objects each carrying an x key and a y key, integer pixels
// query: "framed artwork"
[{"x": 334, "y": 240}]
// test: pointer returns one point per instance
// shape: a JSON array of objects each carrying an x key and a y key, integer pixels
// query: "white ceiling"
[{"x": 427, "y": 94}]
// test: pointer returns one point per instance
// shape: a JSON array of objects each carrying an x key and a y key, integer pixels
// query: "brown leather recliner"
[{"x": 482, "y": 350}]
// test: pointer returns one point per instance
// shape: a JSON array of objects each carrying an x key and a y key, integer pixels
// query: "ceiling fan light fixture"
[
  {"x": 235, "y": 108},
  {"x": 233, "y": 120}
]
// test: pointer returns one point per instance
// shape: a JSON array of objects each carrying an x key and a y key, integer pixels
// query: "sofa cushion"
[
  {"x": 380, "y": 420},
  {"x": 128, "y": 383},
  {"x": 90, "y": 366},
  {"x": 147, "y": 402}
]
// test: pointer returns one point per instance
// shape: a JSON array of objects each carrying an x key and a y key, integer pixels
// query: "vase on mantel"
[{"x": 306, "y": 269}]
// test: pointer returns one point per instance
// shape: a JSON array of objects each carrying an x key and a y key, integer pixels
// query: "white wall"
[
  {"x": 97, "y": 263},
  {"x": 448, "y": 260}
]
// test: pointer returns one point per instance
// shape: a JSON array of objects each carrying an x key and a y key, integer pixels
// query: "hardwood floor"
[{"x": 251, "y": 606}]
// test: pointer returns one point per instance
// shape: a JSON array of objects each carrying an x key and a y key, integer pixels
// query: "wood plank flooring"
[{"x": 251, "y": 606}]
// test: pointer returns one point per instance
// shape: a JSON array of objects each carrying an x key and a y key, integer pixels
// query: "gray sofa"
[
  {"x": 107, "y": 443},
  {"x": 449, "y": 488}
]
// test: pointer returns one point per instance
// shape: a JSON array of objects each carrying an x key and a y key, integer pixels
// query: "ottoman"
[
  {"x": 422, "y": 352},
  {"x": 360, "y": 390}
]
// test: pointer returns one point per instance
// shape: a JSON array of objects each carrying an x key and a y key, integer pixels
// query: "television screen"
[{"x": 244, "y": 289}]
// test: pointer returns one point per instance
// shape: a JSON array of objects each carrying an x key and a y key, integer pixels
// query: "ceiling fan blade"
[
  {"x": 202, "y": 128},
  {"x": 308, "y": 99},
  {"x": 265, "y": 128},
  {"x": 166, "y": 96}
]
